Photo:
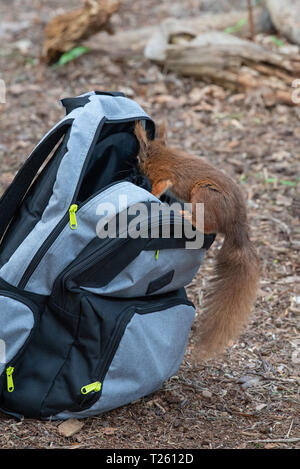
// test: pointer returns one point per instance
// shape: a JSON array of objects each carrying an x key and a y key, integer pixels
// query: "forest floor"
[{"x": 249, "y": 396}]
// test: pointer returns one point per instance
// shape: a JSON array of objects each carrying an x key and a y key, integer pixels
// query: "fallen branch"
[
  {"x": 229, "y": 61},
  {"x": 276, "y": 440},
  {"x": 126, "y": 42},
  {"x": 66, "y": 31}
]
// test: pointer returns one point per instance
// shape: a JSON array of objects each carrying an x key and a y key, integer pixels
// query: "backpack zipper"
[
  {"x": 95, "y": 387},
  {"x": 72, "y": 216},
  {"x": 119, "y": 332},
  {"x": 9, "y": 379},
  {"x": 10, "y": 370}
]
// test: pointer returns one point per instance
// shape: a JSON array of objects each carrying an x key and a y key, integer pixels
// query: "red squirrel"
[{"x": 232, "y": 289}]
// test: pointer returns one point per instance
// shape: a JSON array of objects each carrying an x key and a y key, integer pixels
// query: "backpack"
[{"x": 88, "y": 323}]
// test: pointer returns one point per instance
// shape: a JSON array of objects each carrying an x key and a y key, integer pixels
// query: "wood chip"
[
  {"x": 70, "y": 427},
  {"x": 259, "y": 407},
  {"x": 207, "y": 394}
]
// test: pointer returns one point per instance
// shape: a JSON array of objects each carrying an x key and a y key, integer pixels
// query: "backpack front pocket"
[
  {"x": 145, "y": 347},
  {"x": 148, "y": 273},
  {"x": 78, "y": 381},
  {"x": 101, "y": 327},
  {"x": 126, "y": 267},
  {"x": 17, "y": 320}
]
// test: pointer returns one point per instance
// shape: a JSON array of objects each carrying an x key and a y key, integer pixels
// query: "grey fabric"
[
  {"x": 135, "y": 278},
  {"x": 150, "y": 352},
  {"x": 86, "y": 121},
  {"x": 69, "y": 243},
  {"x": 16, "y": 322}
]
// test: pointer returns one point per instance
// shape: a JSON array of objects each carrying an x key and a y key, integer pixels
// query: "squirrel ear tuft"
[
  {"x": 162, "y": 131},
  {"x": 141, "y": 135}
]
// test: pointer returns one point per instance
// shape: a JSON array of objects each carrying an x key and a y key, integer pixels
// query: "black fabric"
[
  {"x": 72, "y": 103},
  {"x": 112, "y": 160},
  {"x": 111, "y": 93},
  {"x": 177, "y": 243},
  {"x": 160, "y": 282},
  {"x": 40, "y": 300},
  {"x": 139, "y": 179},
  {"x": 208, "y": 240},
  {"x": 15, "y": 193},
  {"x": 95, "y": 276}
]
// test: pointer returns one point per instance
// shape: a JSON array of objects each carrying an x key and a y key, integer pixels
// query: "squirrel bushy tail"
[{"x": 230, "y": 294}]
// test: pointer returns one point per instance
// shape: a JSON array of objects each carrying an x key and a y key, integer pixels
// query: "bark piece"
[{"x": 65, "y": 31}]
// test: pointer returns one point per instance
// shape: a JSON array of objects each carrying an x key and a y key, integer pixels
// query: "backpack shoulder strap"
[{"x": 15, "y": 193}]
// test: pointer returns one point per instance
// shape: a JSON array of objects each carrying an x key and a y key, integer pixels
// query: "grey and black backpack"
[{"x": 88, "y": 323}]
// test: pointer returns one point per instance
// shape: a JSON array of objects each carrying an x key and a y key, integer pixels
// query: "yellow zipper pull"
[
  {"x": 156, "y": 254},
  {"x": 73, "y": 221},
  {"x": 9, "y": 379},
  {"x": 96, "y": 386}
]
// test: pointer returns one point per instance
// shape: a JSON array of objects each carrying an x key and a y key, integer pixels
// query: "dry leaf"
[{"x": 109, "y": 430}]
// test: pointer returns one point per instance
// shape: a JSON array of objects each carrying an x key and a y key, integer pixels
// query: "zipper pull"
[
  {"x": 73, "y": 221},
  {"x": 9, "y": 379},
  {"x": 96, "y": 386},
  {"x": 156, "y": 254}
]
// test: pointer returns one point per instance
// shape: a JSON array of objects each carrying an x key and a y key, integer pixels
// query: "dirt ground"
[{"x": 248, "y": 397}]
